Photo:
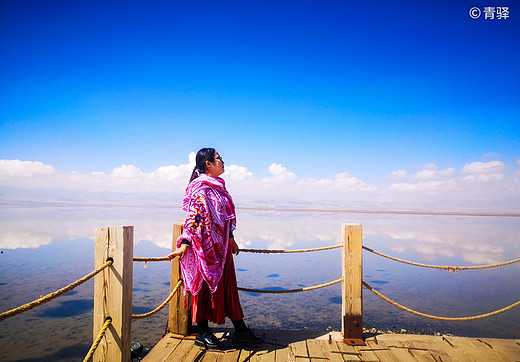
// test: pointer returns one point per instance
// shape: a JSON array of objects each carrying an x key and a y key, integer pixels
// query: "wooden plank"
[
  {"x": 401, "y": 354},
  {"x": 163, "y": 349},
  {"x": 186, "y": 351},
  {"x": 230, "y": 356},
  {"x": 437, "y": 348},
  {"x": 352, "y": 306},
  {"x": 211, "y": 356},
  {"x": 245, "y": 355},
  {"x": 263, "y": 353},
  {"x": 333, "y": 350},
  {"x": 113, "y": 292},
  {"x": 299, "y": 349},
  {"x": 509, "y": 349},
  {"x": 351, "y": 353},
  {"x": 317, "y": 350},
  {"x": 478, "y": 350},
  {"x": 382, "y": 353},
  {"x": 179, "y": 320},
  {"x": 398, "y": 347}
]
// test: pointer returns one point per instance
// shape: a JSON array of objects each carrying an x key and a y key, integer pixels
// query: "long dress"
[{"x": 207, "y": 267}]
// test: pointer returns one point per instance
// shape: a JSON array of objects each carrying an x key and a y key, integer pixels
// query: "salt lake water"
[{"x": 44, "y": 248}]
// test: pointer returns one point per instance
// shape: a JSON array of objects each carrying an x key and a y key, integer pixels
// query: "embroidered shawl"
[{"x": 211, "y": 217}]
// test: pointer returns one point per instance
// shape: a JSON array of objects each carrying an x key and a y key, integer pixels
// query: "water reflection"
[
  {"x": 477, "y": 240},
  {"x": 47, "y": 248}
]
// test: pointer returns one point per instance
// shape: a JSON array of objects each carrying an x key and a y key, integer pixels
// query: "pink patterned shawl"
[{"x": 211, "y": 217}]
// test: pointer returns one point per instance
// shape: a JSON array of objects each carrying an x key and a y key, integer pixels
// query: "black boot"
[{"x": 205, "y": 337}]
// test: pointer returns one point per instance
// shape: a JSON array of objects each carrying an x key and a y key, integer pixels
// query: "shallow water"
[{"x": 44, "y": 249}]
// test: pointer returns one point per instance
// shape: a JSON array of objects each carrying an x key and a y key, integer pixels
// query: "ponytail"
[{"x": 204, "y": 155}]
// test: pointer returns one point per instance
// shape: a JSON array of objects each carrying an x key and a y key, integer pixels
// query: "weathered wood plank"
[
  {"x": 350, "y": 353},
  {"x": 477, "y": 349},
  {"x": 263, "y": 354},
  {"x": 113, "y": 292},
  {"x": 230, "y": 356},
  {"x": 382, "y": 353},
  {"x": 163, "y": 349},
  {"x": 244, "y": 355},
  {"x": 299, "y": 349},
  {"x": 509, "y": 349},
  {"x": 401, "y": 354},
  {"x": 211, "y": 356},
  {"x": 383, "y": 348},
  {"x": 332, "y": 351},
  {"x": 186, "y": 351},
  {"x": 439, "y": 349},
  {"x": 317, "y": 350},
  {"x": 179, "y": 320},
  {"x": 352, "y": 306}
]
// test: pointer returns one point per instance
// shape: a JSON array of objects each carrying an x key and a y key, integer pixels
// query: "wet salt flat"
[{"x": 44, "y": 249}]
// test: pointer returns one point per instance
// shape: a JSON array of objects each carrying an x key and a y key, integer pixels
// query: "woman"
[{"x": 204, "y": 250}]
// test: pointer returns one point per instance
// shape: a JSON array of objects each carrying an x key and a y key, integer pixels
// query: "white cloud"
[
  {"x": 238, "y": 173},
  {"x": 492, "y": 167},
  {"x": 280, "y": 176},
  {"x": 477, "y": 182},
  {"x": 126, "y": 172},
  {"x": 428, "y": 172},
  {"x": 345, "y": 182},
  {"x": 281, "y": 172},
  {"x": 398, "y": 175},
  {"x": 24, "y": 169}
]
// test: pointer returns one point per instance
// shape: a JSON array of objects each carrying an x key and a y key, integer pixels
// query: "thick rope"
[
  {"x": 279, "y": 251},
  {"x": 98, "y": 339},
  {"x": 160, "y": 258},
  {"x": 49, "y": 297},
  {"x": 436, "y": 317},
  {"x": 259, "y": 251},
  {"x": 290, "y": 290},
  {"x": 156, "y": 310},
  {"x": 443, "y": 267}
]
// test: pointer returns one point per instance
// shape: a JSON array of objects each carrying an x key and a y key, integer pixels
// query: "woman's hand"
[
  {"x": 179, "y": 252},
  {"x": 235, "y": 249}
]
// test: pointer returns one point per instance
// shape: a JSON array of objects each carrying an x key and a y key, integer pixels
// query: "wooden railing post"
[
  {"x": 179, "y": 321},
  {"x": 113, "y": 292},
  {"x": 352, "y": 306}
]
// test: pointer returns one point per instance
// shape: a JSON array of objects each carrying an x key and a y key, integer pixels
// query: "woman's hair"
[{"x": 205, "y": 154}]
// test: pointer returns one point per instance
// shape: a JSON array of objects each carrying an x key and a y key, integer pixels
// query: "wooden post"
[
  {"x": 113, "y": 292},
  {"x": 179, "y": 321},
  {"x": 352, "y": 306}
]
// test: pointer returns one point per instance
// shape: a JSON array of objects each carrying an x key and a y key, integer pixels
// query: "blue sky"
[{"x": 320, "y": 88}]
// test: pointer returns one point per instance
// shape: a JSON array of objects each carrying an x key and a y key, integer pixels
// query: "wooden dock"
[{"x": 303, "y": 346}]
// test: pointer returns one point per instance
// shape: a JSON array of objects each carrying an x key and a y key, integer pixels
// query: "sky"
[{"x": 391, "y": 103}]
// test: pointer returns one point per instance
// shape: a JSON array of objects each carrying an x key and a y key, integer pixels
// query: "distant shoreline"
[
  {"x": 262, "y": 208},
  {"x": 399, "y": 212}
]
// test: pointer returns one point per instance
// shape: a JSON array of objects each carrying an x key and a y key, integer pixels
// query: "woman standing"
[{"x": 204, "y": 250}]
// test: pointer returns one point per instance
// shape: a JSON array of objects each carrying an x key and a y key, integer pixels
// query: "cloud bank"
[{"x": 475, "y": 185}]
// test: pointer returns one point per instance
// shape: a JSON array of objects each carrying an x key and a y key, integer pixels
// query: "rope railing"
[
  {"x": 51, "y": 296},
  {"x": 265, "y": 291},
  {"x": 366, "y": 285},
  {"x": 146, "y": 259},
  {"x": 100, "y": 336},
  {"x": 259, "y": 251},
  {"x": 281, "y": 251},
  {"x": 442, "y": 267},
  {"x": 163, "y": 304}
]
